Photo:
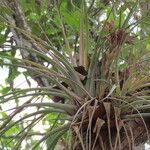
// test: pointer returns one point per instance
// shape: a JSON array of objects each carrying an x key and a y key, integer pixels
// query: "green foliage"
[{"x": 93, "y": 56}]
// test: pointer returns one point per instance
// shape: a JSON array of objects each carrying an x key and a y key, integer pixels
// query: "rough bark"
[{"x": 22, "y": 37}]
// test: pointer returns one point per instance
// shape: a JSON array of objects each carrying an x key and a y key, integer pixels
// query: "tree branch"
[{"x": 17, "y": 23}]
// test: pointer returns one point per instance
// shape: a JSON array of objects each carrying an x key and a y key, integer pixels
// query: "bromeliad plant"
[{"x": 93, "y": 93}]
